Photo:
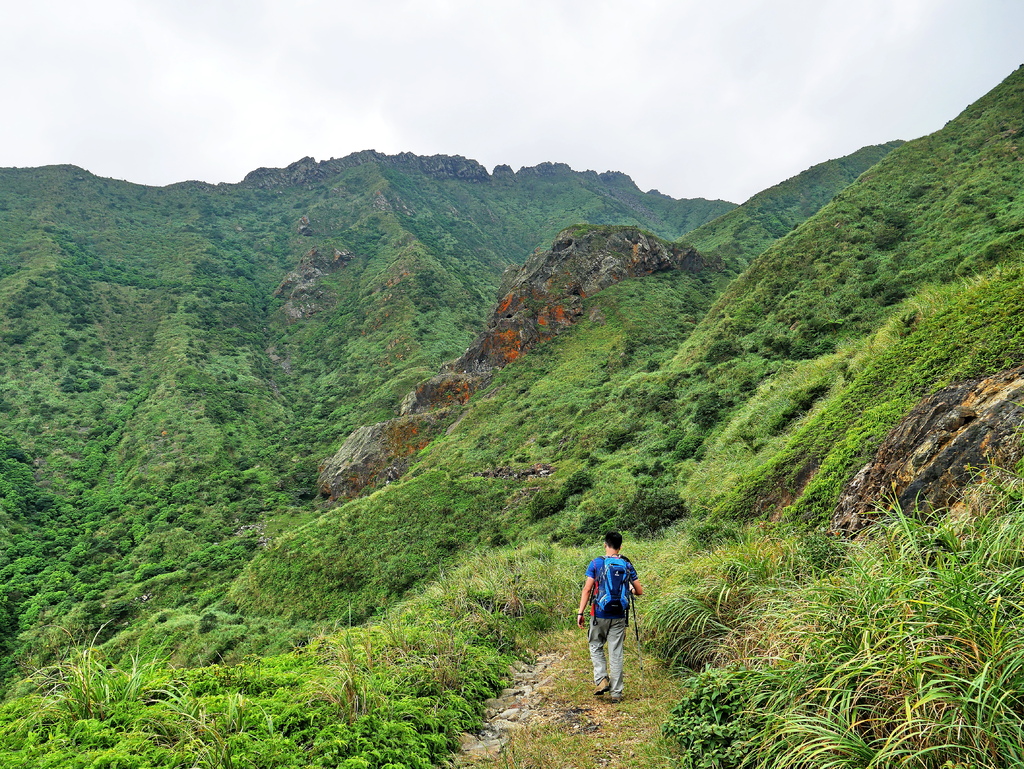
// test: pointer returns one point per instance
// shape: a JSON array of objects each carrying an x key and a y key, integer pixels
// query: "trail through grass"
[{"x": 572, "y": 728}]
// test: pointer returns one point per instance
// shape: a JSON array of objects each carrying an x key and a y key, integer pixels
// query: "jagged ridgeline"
[
  {"x": 665, "y": 401},
  {"x": 176, "y": 361}
]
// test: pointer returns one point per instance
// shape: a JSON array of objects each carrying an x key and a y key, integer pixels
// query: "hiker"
[{"x": 610, "y": 581}]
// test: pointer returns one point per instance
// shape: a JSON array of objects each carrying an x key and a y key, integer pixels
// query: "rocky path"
[
  {"x": 549, "y": 717},
  {"x": 515, "y": 707}
]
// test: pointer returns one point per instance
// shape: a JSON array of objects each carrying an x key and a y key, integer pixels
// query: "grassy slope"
[
  {"x": 592, "y": 402},
  {"x": 740, "y": 235},
  {"x": 828, "y": 310},
  {"x": 649, "y": 423},
  {"x": 135, "y": 325}
]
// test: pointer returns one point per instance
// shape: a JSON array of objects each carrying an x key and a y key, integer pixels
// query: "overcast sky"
[{"x": 716, "y": 98}]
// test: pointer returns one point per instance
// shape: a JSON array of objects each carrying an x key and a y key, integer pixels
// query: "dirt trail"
[{"x": 550, "y": 717}]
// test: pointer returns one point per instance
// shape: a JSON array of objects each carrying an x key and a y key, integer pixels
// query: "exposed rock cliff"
[
  {"x": 302, "y": 287},
  {"x": 375, "y": 454},
  {"x": 931, "y": 456},
  {"x": 538, "y": 301},
  {"x": 546, "y": 294},
  {"x": 308, "y": 171}
]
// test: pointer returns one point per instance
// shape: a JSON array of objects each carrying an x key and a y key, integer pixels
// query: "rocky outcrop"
[
  {"x": 445, "y": 389},
  {"x": 546, "y": 295},
  {"x": 376, "y": 454},
  {"x": 302, "y": 287},
  {"x": 539, "y": 470},
  {"x": 539, "y": 300},
  {"x": 928, "y": 460}
]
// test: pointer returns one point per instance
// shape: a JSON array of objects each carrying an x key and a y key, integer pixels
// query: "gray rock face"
[
  {"x": 376, "y": 454},
  {"x": 302, "y": 287},
  {"x": 928, "y": 459}
]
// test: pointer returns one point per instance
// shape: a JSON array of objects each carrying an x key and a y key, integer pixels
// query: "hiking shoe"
[
  {"x": 615, "y": 699},
  {"x": 602, "y": 686}
]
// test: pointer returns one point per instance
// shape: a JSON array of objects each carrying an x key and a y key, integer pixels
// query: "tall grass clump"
[
  {"x": 903, "y": 648},
  {"x": 85, "y": 686},
  {"x": 507, "y": 597},
  {"x": 710, "y": 602},
  {"x": 912, "y": 655}
]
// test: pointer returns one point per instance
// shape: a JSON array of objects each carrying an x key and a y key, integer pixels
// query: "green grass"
[
  {"x": 901, "y": 649},
  {"x": 396, "y": 692}
]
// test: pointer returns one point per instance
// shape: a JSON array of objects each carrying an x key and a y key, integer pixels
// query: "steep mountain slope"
[
  {"x": 176, "y": 361},
  {"x": 743, "y": 233},
  {"x": 902, "y": 244},
  {"x": 460, "y": 490},
  {"x": 446, "y": 230},
  {"x": 647, "y": 421}
]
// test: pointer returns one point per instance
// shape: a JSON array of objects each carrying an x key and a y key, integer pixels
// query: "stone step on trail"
[{"x": 514, "y": 707}]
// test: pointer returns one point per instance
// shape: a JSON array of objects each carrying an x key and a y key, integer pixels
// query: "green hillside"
[
  {"x": 743, "y": 233},
  {"x": 177, "y": 362},
  {"x": 805, "y": 361}
]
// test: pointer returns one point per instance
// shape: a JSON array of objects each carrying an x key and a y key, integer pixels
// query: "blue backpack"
[{"x": 613, "y": 586}]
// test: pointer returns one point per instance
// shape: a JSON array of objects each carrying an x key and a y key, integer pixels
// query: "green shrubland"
[
  {"x": 175, "y": 595},
  {"x": 902, "y": 648},
  {"x": 396, "y": 692}
]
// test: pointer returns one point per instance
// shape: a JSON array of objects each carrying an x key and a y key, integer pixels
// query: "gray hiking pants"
[{"x": 612, "y": 632}]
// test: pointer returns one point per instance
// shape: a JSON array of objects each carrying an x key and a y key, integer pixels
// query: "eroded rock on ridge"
[
  {"x": 538, "y": 301},
  {"x": 375, "y": 455},
  {"x": 546, "y": 294},
  {"x": 928, "y": 459}
]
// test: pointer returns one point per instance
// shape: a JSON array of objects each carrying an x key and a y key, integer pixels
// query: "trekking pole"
[{"x": 639, "y": 646}]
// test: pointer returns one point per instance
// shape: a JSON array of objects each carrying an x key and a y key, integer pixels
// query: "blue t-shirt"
[{"x": 594, "y": 572}]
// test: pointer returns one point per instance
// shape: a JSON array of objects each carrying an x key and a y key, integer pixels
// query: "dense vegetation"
[
  {"x": 168, "y": 389},
  {"x": 177, "y": 361},
  {"x": 167, "y": 406},
  {"x": 396, "y": 693},
  {"x": 655, "y": 408},
  {"x": 743, "y": 233}
]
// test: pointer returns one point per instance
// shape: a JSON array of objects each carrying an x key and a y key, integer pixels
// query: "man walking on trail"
[{"x": 605, "y": 577}]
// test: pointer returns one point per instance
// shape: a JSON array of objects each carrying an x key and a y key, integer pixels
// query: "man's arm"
[
  {"x": 635, "y": 587},
  {"x": 588, "y": 588}
]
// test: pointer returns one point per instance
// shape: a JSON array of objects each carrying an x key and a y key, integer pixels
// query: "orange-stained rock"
[
  {"x": 538, "y": 301},
  {"x": 443, "y": 390},
  {"x": 546, "y": 294},
  {"x": 375, "y": 455}
]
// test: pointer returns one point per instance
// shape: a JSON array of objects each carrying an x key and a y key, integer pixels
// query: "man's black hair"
[{"x": 614, "y": 540}]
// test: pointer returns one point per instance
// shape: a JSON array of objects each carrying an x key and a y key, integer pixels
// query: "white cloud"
[{"x": 696, "y": 99}]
